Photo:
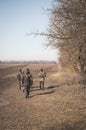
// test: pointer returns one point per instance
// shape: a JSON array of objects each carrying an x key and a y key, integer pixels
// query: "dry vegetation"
[{"x": 61, "y": 106}]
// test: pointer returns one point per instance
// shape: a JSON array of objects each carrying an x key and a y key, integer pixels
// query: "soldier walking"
[
  {"x": 20, "y": 78},
  {"x": 27, "y": 82},
  {"x": 41, "y": 76}
]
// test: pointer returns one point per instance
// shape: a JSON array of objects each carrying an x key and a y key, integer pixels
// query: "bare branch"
[{"x": 47, "y": 35}]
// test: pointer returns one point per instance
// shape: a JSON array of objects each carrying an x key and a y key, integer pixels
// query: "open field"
[{"x": 60, "y": 106}]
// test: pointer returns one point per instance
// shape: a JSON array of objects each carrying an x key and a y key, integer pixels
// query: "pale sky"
[{"x": 17, "y": 18}]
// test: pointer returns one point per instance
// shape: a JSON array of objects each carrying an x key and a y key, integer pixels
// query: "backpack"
[
  {"x": 27, "y": 79},
  {"x": 41, "y": 75}
]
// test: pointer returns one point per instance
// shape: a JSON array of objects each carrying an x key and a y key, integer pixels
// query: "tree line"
[{"x": 67, "y": 32}]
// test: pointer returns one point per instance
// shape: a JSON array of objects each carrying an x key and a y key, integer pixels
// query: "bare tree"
[{"x": 67, "y": 31}]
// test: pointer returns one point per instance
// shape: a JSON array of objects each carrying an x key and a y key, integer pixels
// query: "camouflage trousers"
[
  {"x": 27, "y": 91},
  {"x": 41, "y": 83},
  {"x": 20, "y": 85}
]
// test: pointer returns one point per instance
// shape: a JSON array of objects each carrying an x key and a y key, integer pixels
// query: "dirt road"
[{"x": 60, "y": 106}]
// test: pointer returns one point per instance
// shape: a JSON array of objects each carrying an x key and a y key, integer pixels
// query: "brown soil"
[{"x": 60, "y": 106}]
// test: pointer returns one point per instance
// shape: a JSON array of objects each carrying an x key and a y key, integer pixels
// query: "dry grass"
[{"x": 61, "y": 106}]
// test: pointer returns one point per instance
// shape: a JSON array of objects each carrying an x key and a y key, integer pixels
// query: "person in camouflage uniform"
[
  {"x": 20, "y": 78},
  {"x": 27, "y": 82},
  {"x": 41, "y": 76}
]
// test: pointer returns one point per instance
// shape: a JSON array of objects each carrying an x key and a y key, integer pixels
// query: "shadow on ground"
[
  {"x": 43, "y": 93},
  {"x": 35, "y": 88},
  {"x": 53, "y": 86}
]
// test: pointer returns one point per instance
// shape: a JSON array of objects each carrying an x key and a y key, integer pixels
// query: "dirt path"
[{"x": 58, "y": 107}]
